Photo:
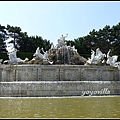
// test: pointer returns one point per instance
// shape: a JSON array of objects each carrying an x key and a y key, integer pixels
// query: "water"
[{"x": 60, "y": 107}]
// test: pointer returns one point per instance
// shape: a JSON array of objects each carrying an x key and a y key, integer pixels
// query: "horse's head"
[
  {"x": 37, "y": 52},
  {"x": 115, "y": 57}
]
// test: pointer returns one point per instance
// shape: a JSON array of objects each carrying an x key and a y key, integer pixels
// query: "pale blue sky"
[{"x": 52, "y": 19}]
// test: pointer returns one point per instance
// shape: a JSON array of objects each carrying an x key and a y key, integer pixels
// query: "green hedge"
[
  {"x": 3, "y": 55},
  {"x": 24, "y": 55},
  {"x": 85, "y": 56}
]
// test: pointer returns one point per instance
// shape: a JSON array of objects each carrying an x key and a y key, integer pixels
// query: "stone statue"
[
  {"x": 1, "y": 60},
  {"x": 62, "y": 38},
  {"x": 61, "y": 41},
  {"x": 12, "y": 52},
  {"x": 13, "y": 58},
  {"x": 52, "y": 46},
  {"x": 99, "y": 56},
  {"x": 45, "y": 55},
  {"x": 96, "y": 58},
  {"x": 112, "y": 60},
  {"x": 74, "y": 50},
  {"x": 40, "y": 55},
  {"x": 60, "y": 54}
]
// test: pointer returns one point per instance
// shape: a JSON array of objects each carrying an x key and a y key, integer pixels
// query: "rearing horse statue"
[{"x": 40, "y": 55}]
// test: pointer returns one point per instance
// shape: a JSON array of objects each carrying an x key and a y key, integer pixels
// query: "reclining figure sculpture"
[
  {"x": 97, "y": 58},
  {"x": 112, "y": 60}
]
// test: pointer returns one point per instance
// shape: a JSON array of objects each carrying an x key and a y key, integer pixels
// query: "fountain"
[{"x": 60, "y": 71}]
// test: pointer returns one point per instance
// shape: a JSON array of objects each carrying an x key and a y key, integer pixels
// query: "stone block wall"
[
  {"x": 58, "y": 80},
  {"x": 59, "y": 88},
  {"x": 58, "y": 73}
]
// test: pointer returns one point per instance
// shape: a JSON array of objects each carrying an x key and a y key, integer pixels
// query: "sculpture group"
[
  {"x": 60, "y": 54},
  {"x": 10, "y": 47},
  {"x": 99, "y": 59}
]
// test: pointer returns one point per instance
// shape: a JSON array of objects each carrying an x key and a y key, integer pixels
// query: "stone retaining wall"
[{"x": 58, "y": 73}]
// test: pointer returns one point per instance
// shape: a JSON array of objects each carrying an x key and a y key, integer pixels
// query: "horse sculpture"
[
  {"x": 40, "y": 55},
  {"x": 12, "y": 52},
  {"x": 97, "y": 58},
  {"x": 112, "y": 60}
]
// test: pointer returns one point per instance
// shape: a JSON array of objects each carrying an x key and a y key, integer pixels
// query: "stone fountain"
[{"x": 60, "y": 71}]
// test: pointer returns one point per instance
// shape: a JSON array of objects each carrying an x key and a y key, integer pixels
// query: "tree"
[
  {"x": 2, "y": 37},
  {"x": 14, "y": 32},
  {"x": 23, "y": 42}
]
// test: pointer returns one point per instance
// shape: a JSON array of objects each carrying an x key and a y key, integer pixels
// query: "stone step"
[{"x": 59, "y": 88}]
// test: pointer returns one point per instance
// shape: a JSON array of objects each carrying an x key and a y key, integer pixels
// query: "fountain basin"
[{"x": 58, "y": 80}]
